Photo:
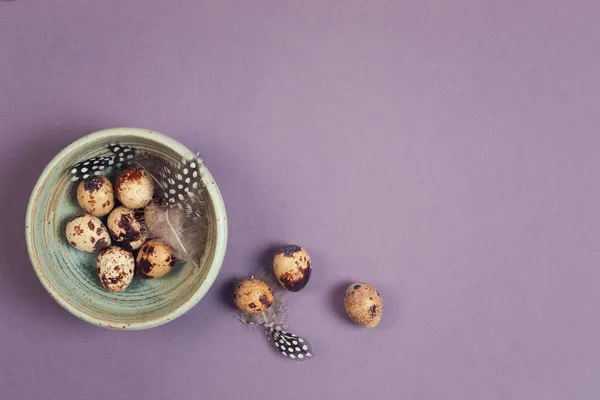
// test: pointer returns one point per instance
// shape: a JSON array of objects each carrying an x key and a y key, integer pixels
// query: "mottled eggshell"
[
  {"x": 363, "y": 304},
  {"x": 154, "y": 260},
  {"x": 292, "y": 267},
  {"x": 95, "y": 195},
  {"x": 127, "y": 227},
  {"x": 134, "y": 188},
  {"x": 253, "y": 296},
  {"x": 87, "y": 233},
  {"x": 115, "y": 268}
]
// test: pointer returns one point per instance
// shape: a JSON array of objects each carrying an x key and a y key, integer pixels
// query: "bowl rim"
[{"x": 220, "y": 240}]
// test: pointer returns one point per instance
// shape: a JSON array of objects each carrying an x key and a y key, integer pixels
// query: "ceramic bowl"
[{"x": 70, "y": 276}]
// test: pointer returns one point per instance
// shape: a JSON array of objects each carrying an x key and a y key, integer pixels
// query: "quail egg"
[
  {"x": 134, "y": 187},
  {"x": 363, "y": 304},
  {"x": 154, "y": 260},
  {"x": 127, "y": 227},
  {"x": 115, "y": 268},
  {"x": 253, "y": 296},
  {"x": 292, "y": 267},
  {"x": 95, "y": 195},
  {"x": 87, "y": 233}
]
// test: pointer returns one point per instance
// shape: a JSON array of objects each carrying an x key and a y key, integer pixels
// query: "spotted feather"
[
  {"x": 181, "y": 184},
  {"x": 120, "y": 156},
  {"x": 288, "y": 344}
]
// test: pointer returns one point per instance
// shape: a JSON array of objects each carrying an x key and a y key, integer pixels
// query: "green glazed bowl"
[{"x": 70, "y": 276}]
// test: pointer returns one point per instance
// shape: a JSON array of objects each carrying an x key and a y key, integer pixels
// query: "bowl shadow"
[
  {"x": 19, "y": 175},
  {"x": 231, "y": 169}
]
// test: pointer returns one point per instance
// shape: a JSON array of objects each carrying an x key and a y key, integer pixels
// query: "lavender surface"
[{"x": 445, "y": 152}]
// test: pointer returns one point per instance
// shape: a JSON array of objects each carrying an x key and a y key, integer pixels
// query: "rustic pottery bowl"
[{"x": 70, "y": 276}]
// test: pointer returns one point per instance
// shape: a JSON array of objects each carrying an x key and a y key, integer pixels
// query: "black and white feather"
[
  {"x": 181, "y": 183},
  {"x": 121, "y": 155},
  {"x": 178, "y": 219},
  {"x": 273, "y": 318},
  {"x": 274, "y": 315},
  {"x": 177, "y": 215},
  {"x": 288, "y": 344}
]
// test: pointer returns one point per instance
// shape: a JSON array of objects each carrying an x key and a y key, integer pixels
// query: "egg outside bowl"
[{"x": 70, "y": 275}]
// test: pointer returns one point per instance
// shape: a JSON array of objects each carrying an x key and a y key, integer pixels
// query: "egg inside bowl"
[{"x": 70, "y": 275}]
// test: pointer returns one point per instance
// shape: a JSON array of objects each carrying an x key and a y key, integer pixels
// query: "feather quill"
[
  {"x": 176, "y": 216},
  {"x": 274, "y": 315},
  {"x": 173, "y": 226},
  {"x": 273, "y": 319}
]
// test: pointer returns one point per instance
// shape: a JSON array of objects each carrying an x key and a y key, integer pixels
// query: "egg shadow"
[
  {"x": 336, "y": 302},
  {"x": 390, "y": 302},
  {"x": 19, "y": 174},
  {"x": 225, "y": 292},
  {"x": 263, "y": 264},
  {"x": 264, "y": 259}
]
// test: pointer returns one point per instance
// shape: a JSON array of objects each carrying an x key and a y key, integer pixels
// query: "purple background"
[{"x": 445, "y": 151}]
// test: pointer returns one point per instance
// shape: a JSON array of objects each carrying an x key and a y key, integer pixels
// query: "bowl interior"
[{"x": 70, "y": 275}]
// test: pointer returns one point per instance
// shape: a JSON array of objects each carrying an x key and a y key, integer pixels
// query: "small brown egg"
[
  {"x": 292, "y": 267},
  {"x": 87, "y": 233},
  {"x": 115, "y": 268},
  {"x": 154, "y": 260},
  {"x": 134, "y": 188},
  {"x": 127, "y": 227},
  {"x": 253, "y": 296},
  {"x": 95, "y": 195},
  {"x": 363, "y": 304}
]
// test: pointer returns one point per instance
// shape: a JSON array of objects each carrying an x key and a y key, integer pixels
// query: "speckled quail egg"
[
  {"x": 292, "y": 267},
  {"x": 154, "y": 260},
  {"x": 127, "y": 227},
  {"x": 363, "y": 304},
  {"x": 115, "y": 268},
  {"x": 87, "y": 233},
  {"x": 134, "y": 188},
  {"x": 253, "y": 296},
  {"x": 95, "y": 195}
]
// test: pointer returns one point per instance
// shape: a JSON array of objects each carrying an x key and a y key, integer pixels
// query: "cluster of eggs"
[
  {"x": 292, "y": 267},
  {"x": 124, "y": 232}
]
